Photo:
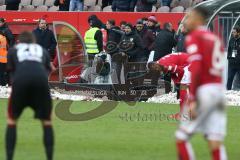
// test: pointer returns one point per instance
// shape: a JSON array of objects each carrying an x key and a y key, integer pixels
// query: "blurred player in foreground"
[
  {"x": 206, "y": 101},
  {"x": 29, "y": 65},
  {"x": 178, "y": 66}
]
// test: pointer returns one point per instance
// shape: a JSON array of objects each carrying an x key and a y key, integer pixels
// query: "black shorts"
[{"x": 33, "y": 93}]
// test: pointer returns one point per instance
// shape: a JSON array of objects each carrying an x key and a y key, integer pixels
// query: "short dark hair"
[
  {"x": 145, "y": 19},
  {"x": 167, "y": 26},
  {"x": 237, "y": 28},
  {"x": 203, "y": 12},
  {"x": 129, "y": 25},
  {"x": 26, "y": 37},
  {"x": 123, "y": 23},
  {"x": 2, "y": 20},
  {"x": 112, "y": 22}
]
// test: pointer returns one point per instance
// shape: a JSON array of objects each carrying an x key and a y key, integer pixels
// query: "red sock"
[
  {"x": 183, "y": 98},
  {"x": 216, "y": 154},
  {"x": 184, "y": 152},
  {"x": 219, "y": 154}
]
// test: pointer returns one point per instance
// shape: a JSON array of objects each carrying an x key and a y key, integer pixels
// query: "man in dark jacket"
[
  {"x": 233, "y": 57},
  {"x": 63, "y": 5},
  {"x": 147, "y": 36},
  {"x": 114, "y": 35},
  {"x": 132, "y": 46},
  {"x": 12, "y": 4},
  {"x": 180, "y": 38},
  {"x": 123, "y": 5},
  {"x": 145, "y": 6},
  {"x": 164, "y": 44},
  {"x": 45, "y": 37},
  {"x": 7, "y": 32},
  {"x": 113, "y": 32}
]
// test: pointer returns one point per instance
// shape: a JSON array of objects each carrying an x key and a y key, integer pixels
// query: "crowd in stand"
[{"x": 101, "y": 5}]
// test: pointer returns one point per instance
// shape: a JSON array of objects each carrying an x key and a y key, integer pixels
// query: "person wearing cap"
[
  {"x": 45, "y": 37},
  {"x": 7, "y": 32},
  {"x": 147, "y": 36},
  {"x": 151, "y": 24}
]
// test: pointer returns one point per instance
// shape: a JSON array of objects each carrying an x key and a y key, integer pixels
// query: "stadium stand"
[
  {"x": 41, "y": 8},
  {"x": 37, "y": 2},
  {"x": 96, "y": 5},
  {"x": 178, "y": 9},
  {"x": 49, "y": 3},
  {"x": 2, "y": 2},
  {"x": 2, "y": 7},
  {"x": 163, "y": 9}
]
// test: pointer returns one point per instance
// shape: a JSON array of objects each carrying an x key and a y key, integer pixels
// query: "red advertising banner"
[{"x": 20, "y": 21}]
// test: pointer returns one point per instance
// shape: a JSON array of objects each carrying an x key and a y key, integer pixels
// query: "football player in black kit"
[{"x": 29, "y": 65}]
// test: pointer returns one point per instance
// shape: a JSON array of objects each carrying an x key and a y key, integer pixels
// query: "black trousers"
[
  {"x": 3, "y": 74},
  {"x": 232, "y": 71},
  {"x": 12, "y": 6},
  {"x": 106, "y": 3}
]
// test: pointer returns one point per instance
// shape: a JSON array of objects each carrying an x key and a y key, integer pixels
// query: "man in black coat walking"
[
  {"x": 164, "y": 44},
  {"x": 45, "y": 37}
]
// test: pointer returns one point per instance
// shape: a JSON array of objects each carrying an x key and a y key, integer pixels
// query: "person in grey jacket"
[{"x": 123, "y": 5}]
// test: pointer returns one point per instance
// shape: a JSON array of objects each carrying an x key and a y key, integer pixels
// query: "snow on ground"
[
  {"x": 6, "y": 91},
  {"x": 232, "y": 97}
]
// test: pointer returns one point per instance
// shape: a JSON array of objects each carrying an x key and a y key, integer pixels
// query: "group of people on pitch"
[{"x": 199, "y": 73}]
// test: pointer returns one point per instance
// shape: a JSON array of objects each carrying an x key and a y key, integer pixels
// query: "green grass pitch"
[{"x": 126, "y": 133}]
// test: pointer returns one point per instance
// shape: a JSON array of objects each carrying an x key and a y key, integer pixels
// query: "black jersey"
[
  {"x": 29, "y": 65},
  {"x": 28, "y": 60}
]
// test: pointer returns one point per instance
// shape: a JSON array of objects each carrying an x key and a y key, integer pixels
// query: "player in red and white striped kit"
[
  {"x": 177, "y": 64},
  {"x": 206, "y": 101}
]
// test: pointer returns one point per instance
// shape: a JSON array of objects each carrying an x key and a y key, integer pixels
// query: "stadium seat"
[
  {"x": 49, "y": 3},
  {"x": 85, "y": 8},
  {"x": 99, "y": 2},
  {"x": 42, "y": 8},
  {"x": 3, "y": 8},
  {"x": 2, "y": 2},
  {"x": 37, "y": 2},
  {"x": 96, "y": 8},
  {"x": 163, "y": 9},
  {"x": 154, "y": 9},
  {"x": 89, "y": 2},
  {"x": 27, "y": 8},
  {"x": 186, "y": 3},
  {"x": 107, "y": 9},
  {"x": 178, "y": 9},
  {"x": 53, "y": 9},
  {"x": 25, "y": 2}
]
